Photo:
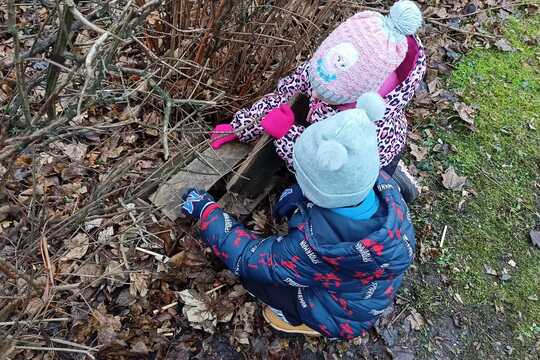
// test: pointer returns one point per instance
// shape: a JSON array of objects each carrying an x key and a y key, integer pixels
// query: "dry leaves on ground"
[
  {"x": 77, "y": 247},
  {"x": 453, "y": 181},
  {"x": 198, "y": 312},
  {"x": 418, "y": 152},
  {"x": 415, "y": 320},
  {"x": 503, "y": 45},
  {"x": 466, "y": 113},
  {"x": 107, "y": 325}
]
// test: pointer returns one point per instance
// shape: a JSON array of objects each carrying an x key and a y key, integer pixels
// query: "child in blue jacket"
[{"x": 350, "y": 238}]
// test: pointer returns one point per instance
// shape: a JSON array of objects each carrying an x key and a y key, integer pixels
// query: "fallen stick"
[
  {"x": 461, "y": 31},
  {"x": 441, "y": 243},
  {"x": 162, "y": 258},
  {"x": 28, "y": 322},
  {"x": 39, "y": 348}
]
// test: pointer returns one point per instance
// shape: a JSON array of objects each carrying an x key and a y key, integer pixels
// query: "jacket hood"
[{"x": 385, "y": 239}]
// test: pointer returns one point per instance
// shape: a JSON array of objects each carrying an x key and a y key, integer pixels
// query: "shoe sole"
[{"x": 285, "y": 330}]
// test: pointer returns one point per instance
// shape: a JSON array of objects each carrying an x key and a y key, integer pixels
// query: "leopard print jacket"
[{"x": 391, "y": 129}]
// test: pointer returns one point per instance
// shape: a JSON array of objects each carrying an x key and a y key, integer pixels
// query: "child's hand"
[
  {"x": 195, "y": 202},
  {"x": 222, "y": 134},
  {"x": 278, "y": 121},
  {"x": 288, "y": 200}
]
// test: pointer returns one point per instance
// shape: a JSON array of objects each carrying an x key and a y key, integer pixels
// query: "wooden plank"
[
  {"x": 257, "y": 170},
  {"x": 263, "y": 162},
  {"x": 202, "y": 173}
]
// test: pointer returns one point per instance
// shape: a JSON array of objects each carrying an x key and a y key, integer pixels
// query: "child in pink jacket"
[{"x": 368, "y": 52}]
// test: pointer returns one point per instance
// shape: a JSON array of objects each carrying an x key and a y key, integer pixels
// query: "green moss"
[{"x": 501, "y": 160}]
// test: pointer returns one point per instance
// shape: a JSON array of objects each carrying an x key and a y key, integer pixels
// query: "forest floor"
[{"x": 76, "y": 226}]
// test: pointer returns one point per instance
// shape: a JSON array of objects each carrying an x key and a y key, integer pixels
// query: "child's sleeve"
[
  {"x": 273, "y": 260},
  {"x": 284, "y": 145},
  {"x": 246, "y": 121}
]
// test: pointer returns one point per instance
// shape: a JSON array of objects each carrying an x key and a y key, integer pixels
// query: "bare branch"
[
  {"x": 60, "y": 46},
  {"x": 19, "y": 66}
]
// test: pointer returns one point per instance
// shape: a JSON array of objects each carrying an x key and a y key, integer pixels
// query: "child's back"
[
  {"x": 346, "y": 270},
  {"x": 349, "y": 240}
]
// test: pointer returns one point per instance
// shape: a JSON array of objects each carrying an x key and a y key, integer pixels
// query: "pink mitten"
[
  {"x": 278, "y": 121},
  {"x": 222, "y": 134}
]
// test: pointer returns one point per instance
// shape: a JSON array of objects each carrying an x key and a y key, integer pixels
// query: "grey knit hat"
[{"x": 337, "y": 160}]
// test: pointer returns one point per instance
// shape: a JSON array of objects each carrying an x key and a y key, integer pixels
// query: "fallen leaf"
[
  {"x": 77, "y": 246},
  {"x": 489, "y": 270},
  {"x": 89, "y": 272},
  {"x": 512, "y": 263},
  {"x": 198, "y": 313},
  {"x": 244, "y": 321},
  {"x": 75, "y": 152},
  {"x": 503, "y": 45},
  {"x": 105, "y": 235},
  {"x": 277, "y": 345},
  {"x": 34, "y": 306},
  {"x": 466, "y": 113},
  {"x": 415, "y": 320},
  {"x": 457, "y": 297},
  {"x": 418, "y": 152},
  {"x": 189, "y": 257},
  {"x": 92, "y": 224},
  {"x": 533, "y": 297},
  {"x": 505, "y": 276},
  {"x": 535, "y": 237},
  {"x": 107, "y": 325},
  {"x": 139, "y": 284},
  {"x": 114, "y": 274},
  {"x": 260, "y": 221},
  {"x": 452, "y": 181},
  {"x": 140, "y": 348}
]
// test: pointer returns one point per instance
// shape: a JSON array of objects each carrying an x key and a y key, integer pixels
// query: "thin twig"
[
  {"x": 77, "y": 14},
  {"x": 398, "y": 315},
  {"x": 19, "y": 66},
  {"x": 70, "y": 343},
  {"x": 461, "y": 31},
  {"x": 39, "y": 348},
  {"x": 29, "y": 322},
  {"x": 166, "y": 117},
  {"x": 90, "y": 57},
  {"x": 52, "y": 62},
  {"x": 441, "y": 243},
  {"x": 12, "y": 272},
  {"x": 158, "y": 257},
  {"x": 215, "y": 289},
  {"x": 60, "y": 47},
  {"x": 453, "y": 16}
]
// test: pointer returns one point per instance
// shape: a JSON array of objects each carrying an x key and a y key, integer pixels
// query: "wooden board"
[
  {"x": 257, "y": 170},
  {"x": 202, "y": 173}
]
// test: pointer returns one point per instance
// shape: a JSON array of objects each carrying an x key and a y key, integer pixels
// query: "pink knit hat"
[{"x": 362, "y": 52}]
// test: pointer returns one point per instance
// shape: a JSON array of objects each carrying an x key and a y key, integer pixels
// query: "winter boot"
[
  {"x": 407, "y": 184},
  {"x": 276, "y": 320}
]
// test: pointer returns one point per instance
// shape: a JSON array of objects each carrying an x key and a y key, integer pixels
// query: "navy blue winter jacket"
[{"x": 346, "y": 271}]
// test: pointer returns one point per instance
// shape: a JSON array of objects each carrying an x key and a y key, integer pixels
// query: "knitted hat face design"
[{"x": 362, "y": 52}]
